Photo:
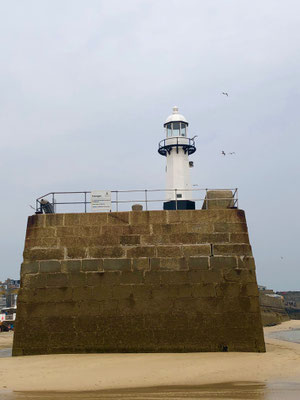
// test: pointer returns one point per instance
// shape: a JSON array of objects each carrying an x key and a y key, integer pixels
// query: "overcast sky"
[{"x": 85, "y": 87}]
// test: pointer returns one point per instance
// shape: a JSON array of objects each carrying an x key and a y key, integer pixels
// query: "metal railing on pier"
[{"x": 121, "y": 200}]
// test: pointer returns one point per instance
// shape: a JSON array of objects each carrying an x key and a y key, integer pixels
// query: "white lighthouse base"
[{"x": 181, "y": 205}]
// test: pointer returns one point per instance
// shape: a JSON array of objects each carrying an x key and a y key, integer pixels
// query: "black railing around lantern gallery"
[
  {"x": 165, "y": 146},
  {"x": 122, "y": 200}
]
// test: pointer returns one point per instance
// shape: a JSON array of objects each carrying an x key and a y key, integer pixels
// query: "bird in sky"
[
  {"x": 225, "y": 94},
  {"x": 223, "y": 152},
  {"x": 232, "y": 152}
]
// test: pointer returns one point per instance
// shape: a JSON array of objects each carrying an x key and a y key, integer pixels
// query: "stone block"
[
  {"x": 50, "y": 266},
  {"x": 104, "y": 240},
  {"x": 141, "y": 251},
  {"x": 141, "y": 264},
  {"x": 222, "y": 263},
  {"x": 57, "y": 280},
  {"x": 77, "y": 279},
  {"x": 216, "y": 199},
  {"x": 82, "y": 293},
  {"x": 239, "y": 275},
  {"x": 102, "y": 292},
  {"x": 249, "y": 290},
  {"x": 232, "y": 249},
  {"x": 130, "y": 240},
  {"x": 71, "y": 266},
  {"x": 76, "y": 252},
  {"x": 152, "y": 277},
  {"x": 72, "y": 219},
  {"x": 154, "y": 263},
  {"x": 203, "y": 290},
  {"x": 205, "y": 276},
  {"x": 246, "y": 262},
  {"x": 187, "y": 238},
  {"x": 228, "y": 289},
  {"x": 29, "y": 267},
  {"x": 204, "y": 227},
  {"x": 32, "y": 281},
  {"x": 117, "y": 264},
  {"x": 239, "y": 238},
  {"x": 43, "y": 254},
  {"x": 118, "y": 218},
  {"x": 198, "y": 263},
  {"x": 36, "y": 221},
  {"x": 103, "y": 278},
  {"x": 92, "y": 265},
  {"x": 166, "y": 229},
  {"x": 184, "y": 290},
  {"x": 96, "y": 219},
  {"x": 230, "y": 227},
  {"x": 122, "y": 291},
  {"x": 54, "y": 220},
  {"x": 106, "y": 251},
  {"x": 172, "y": 263},
  {"x": 155, "y": 240},
  {"x": 174, "y": 277},
  {"x": 132, "y": 278},
  {"x": 65, "y": 231},
  {"x": 42, "y": 243},
  {"x": 196, "y": 250},
  {"x": 137, "y": 207},
  {"x": 168, "y": 251},
  {"x": 148, "y": 217}
]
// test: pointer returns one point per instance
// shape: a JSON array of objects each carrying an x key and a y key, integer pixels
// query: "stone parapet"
[{"x": 140, "y": 281}]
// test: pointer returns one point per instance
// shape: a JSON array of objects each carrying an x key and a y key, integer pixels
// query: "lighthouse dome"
[{"x": 176, "y": 117}]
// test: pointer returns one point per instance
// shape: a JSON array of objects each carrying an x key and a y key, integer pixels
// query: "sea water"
[{"x": 292, "y": 335}]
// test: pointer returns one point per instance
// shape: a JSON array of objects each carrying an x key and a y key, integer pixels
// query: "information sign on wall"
[{"x": 101, "y": 200}]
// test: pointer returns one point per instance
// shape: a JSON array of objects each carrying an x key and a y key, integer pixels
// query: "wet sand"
[{"x": 165, "y": 372}]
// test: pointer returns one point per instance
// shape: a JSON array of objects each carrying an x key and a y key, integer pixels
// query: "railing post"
[
  {"x": 146, "y": 199},
  {"x": 85, "y": 202},
  {"x": 117, "y": 201},
  {"x": 176, "y": 197},
  {"x": 53, "y": 199}
]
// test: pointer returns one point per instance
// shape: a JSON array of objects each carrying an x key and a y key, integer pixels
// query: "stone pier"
[{"x": 140, "y": 281}]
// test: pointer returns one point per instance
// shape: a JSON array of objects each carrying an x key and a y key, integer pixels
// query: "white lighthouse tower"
[{"x": 177, "y": 147}]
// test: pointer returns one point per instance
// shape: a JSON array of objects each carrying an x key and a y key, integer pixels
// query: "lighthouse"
[{"x": 177, "y": 147}]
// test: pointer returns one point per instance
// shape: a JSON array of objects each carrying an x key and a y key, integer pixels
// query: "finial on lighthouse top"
[{"x": 175, "y": 117}]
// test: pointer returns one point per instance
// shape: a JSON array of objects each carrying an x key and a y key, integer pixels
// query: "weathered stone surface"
[
  {"x": 43, "y": 254},
  {"x": 138, "y": 281},
  {"x": 216, "y": 199},
  {"x": 92, "y": 265},
  {"x": 141, "y": 251},
  {"x": 117, "y": 264},
  {"x": 198, "y": 263},
  {"x": 70, "y": 266},
  {"x": 29, "y": 267},
  {"x": 50, "y": 266}
]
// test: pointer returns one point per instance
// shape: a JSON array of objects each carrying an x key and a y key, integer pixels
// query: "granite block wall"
[{"x": 140, "y": 281}]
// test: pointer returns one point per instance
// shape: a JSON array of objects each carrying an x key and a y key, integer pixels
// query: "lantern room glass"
[{"x": 176, "y": 129}]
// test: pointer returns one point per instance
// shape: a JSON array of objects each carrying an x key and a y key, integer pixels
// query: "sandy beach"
[{"x": 83, "y": 372}]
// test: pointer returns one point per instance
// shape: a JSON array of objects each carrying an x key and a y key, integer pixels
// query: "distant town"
[{"x": 8, "y": 303}]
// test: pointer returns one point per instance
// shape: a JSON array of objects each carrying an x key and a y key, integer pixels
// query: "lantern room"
[{"x": 176, "y": 125}]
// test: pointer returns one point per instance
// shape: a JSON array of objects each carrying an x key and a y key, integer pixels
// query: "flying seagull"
[
  {"x": 223, "y": 152},
  {"x": 225, "y": 93},
  {"x": 232, "y": 152}
]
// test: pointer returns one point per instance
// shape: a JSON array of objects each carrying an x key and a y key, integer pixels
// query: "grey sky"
[{"x": 85, "y": 87}]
